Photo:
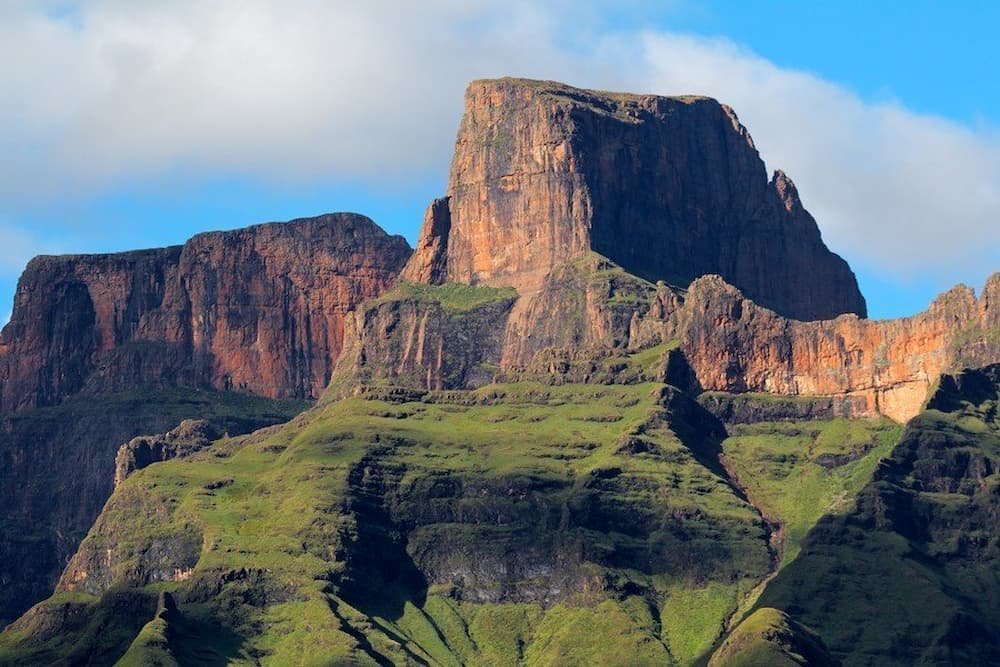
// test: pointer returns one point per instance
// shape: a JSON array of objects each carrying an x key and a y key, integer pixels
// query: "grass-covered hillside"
[
  {"x": 512, "y": 524},
  {"x": 57, "y": 469},
  {"x": 911, "y": 576}
]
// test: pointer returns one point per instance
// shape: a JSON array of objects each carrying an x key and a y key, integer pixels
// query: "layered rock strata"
[
  {"x": 885, "y": 367},
  {"x": 259, "y": 310},
  {"x": 669, "y": 188},
  {"x": 592, "y": 317}
]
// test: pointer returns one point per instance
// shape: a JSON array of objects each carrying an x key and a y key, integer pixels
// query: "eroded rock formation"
[
  {"x": 669, "y": 188},
  {"x": 259, "y": 310},
  {"x": 886, "y": 367},
  {"x": 190, "y": 436}
]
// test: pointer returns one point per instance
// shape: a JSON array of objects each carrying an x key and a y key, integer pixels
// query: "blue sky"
[{"x": 129, "y": 128}]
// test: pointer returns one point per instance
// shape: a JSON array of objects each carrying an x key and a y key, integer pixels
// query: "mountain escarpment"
[
  {"x": 605, "y": 212},
  {"x": 668, "y": 188},
  {"x": 258, "y": 310},
  {"x": 555, "y": 441},
  {"x": 239, "y": 328},
  {"x": 873, "y": 367}
]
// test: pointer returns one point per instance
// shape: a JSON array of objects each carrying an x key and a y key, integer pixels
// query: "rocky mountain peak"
[
  {"x": 668, "y": 188},
  {"x": 258, "y": 309}
]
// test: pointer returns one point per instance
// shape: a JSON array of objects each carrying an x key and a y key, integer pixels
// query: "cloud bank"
[{"x": 111, "y": 92}]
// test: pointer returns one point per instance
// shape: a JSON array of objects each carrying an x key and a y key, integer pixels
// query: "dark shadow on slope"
[
  {"x": 381, "y": 576},
  {"x": 362, "y": 640},
  {"x": 201, "y": 642},
  {"x": 910, "y": 575},
  {"x": 698, "y": 430}
]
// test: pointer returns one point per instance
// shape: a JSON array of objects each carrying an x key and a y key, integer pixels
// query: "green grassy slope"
[
  {"x": 769, "y": 638},
  {"x": 57, "y": 470},
  {"x": 912, "y": 575},
  {"x": 515, "y": 523},
  {"x": 796, "y": 472}
]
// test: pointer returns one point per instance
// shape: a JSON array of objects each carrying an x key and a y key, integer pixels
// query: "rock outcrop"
[
  {"x": 103, "y": 348},
  {"x": 668, "y": 188},
  {"x": 883, "y": 367},
  {"x": 259, "y": 310},
  {"x": 425, "y": 338},
  {"x": 190, "y": 436}
]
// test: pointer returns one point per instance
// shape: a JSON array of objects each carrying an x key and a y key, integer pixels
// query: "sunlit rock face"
[
  {"x": 259, "y": 310},
  {"x": 885, "y": 367},
  {"x": 669, "y": 188}
]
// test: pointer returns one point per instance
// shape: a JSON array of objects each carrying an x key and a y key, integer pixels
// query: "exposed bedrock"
[{"x": 669, "y": 188}]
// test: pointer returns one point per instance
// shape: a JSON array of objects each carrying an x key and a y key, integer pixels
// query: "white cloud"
[
  {"x": 316, "y": 90},
  {"x": 908, "y": 192}
]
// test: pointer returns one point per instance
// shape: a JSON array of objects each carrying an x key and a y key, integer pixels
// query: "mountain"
[
  {"x": 103, "y": 348},
  {"x": 911, "y": 576},
  {"x": 668, "y": 188},
  {"x": 258, "y": 310},
  {"x": 549, "y": 436}
]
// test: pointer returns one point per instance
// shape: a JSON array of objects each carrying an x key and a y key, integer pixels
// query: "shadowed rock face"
[
  {"x": 921, "y": 537},
  {"x": 259, "y": 310},
  {"x": 668, "y": 188}
]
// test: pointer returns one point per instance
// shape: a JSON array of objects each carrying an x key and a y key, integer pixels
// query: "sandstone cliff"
[
  {"x": 667, "y": 188},
  {"x": 103, "y": 348},
  {"x": 259, "y": 310},
  {"x": 590, "y": 318},
  {"x": 425, "y": 338},
  {"x": 886, "y": 367}
]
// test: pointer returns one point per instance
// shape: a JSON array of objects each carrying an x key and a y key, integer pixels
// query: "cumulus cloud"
[
  {"x": 893, "y": 187},
  {"x": 314, "y": 90}
]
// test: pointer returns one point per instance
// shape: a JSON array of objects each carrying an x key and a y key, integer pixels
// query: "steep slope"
[
  {"x": 912, "y": 575},
  {"x": 669, "y": 188},
  {"x": 258, "y": 310},
  {"x": 871, "y": 367},
  {"x": 518, "y": 522},
  {"x": 769, "y": 637},
  {"x": 57, "y": 468},
  {"x": 103, "y": 348}
]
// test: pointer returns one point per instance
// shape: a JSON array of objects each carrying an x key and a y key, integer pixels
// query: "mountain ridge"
[
  {"x": 528, "y": 451},
  {"x": 667, "y": 188}
]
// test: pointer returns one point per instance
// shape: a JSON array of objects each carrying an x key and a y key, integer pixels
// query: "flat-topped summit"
[
  {"x": 258, "y": 309},
  {"x": 607, "y": 101},
  {"x": 669, "y": 188}
]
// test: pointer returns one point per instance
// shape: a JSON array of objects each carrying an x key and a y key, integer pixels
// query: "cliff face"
[
  {"x": 425, "y": 338},
  {"x": 259, "y": 310},
  {"x": 888, "y": 366},
  {"x": 98, "y": 346},
  {"x": 70, "y": 310},
  {"x": 589, "y": 318},
  {"x": 668, "y": 188}
]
